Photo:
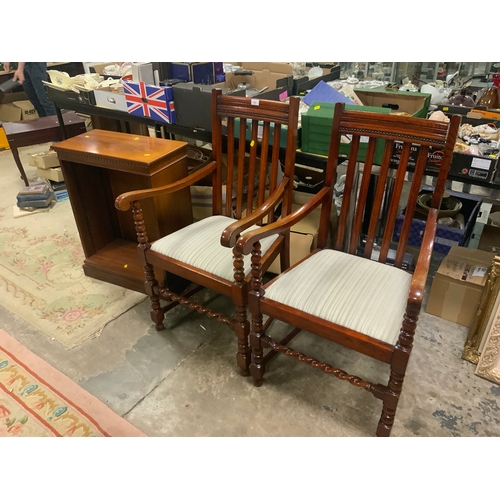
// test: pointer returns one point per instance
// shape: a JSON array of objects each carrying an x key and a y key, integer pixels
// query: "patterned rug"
[
  {"x": 41, "y": 275},
  {"x": 36, "y": 400}
]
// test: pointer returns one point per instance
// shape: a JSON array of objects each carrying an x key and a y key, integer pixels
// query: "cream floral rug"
[{"x": 41, "y": 275}]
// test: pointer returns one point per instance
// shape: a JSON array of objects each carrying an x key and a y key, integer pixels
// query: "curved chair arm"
[
  {"x": 417, "y": 285},
  {"x": 124, "y": 201},
  {"x": 245, "y": 243},
  {"x": 231, "y": 234}
]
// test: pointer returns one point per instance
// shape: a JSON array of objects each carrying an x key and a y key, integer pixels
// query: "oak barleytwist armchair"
[
  {"x": 247, "y": 191},
  {"x": 351, "y": 294}
]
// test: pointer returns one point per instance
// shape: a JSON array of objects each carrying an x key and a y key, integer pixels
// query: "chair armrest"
[
  {"x": 417, "y": 285},
  {"x": 245, "y": 243},
  {"x": 124, "y": 201},
  {"x": 231, "y": 234}
]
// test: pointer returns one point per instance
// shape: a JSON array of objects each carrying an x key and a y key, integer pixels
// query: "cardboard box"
[
  {"x": 446, "y": 236},
  {"x": 201, "y": 192},
  {"x": 99, "y": 68},
  {"x": 150, "y": 101},
  {"x": 300, "y": 85},
  {"x": 45, "y": 159},
  {"x": 434, "y": 157},
  {"x": 470, "y": 166},
  {"x": 53, "y": 174},
  {"x": 458, "y": 285},
  {"x": 279, "y": 85},
  {"x": 489, "y": 234},
  {"x": 414, "y": 103},
  {"x": 15, "y": 107},
  {"x": 463, "y": 165},
  {"x": 304, "y": 234}
]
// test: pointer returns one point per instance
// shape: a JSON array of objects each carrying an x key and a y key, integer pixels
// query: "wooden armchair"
[
  {"x": 246, "y": 192},
  {"x": 346, "y": 294}
]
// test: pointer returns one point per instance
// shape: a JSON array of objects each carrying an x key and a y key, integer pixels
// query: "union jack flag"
[{"x": 149, "y": 101}]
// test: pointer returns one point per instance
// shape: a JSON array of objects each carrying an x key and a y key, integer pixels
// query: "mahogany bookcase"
[{"x": 100, "y": 165}]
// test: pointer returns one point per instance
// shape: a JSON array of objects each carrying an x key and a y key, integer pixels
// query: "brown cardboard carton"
[
  {"x": 304, "y": 234},
  {"x": 490, "y": 235},
  {"x": 99, "y": 68},
  {"x": 53, "y": 174},
  {"x": 45, "y": 159},
  {"x": 28, "y": 111},
  {"x": 459, "y": 284},
  {"x": 15, "y": 106}
]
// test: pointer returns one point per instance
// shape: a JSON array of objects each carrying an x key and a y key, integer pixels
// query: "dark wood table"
[{"x": 39, "y": 131}]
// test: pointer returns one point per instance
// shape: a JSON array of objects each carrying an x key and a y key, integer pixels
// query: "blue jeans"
[{"x": 34, "y": 73}]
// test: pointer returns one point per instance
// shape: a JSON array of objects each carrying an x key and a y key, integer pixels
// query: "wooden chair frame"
[
  {"x": 251, "y": 204},
  {"x": 390, "y": 128}
]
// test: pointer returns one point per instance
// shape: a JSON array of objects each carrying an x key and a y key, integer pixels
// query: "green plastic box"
[
  {"x": 283, "y": 136},
  {"x": 317, "y": 128}
]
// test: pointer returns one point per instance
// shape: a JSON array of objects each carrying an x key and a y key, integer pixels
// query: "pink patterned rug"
[{"x": 36, "y": 400}]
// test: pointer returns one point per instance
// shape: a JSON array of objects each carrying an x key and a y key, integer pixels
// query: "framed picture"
[
  {"x": 488, "y": 365},
  {"x": 486, "y": 314}
]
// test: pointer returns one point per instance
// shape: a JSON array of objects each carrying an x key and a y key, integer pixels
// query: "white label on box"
[
  {"x": 254, "y": 102},
  {"x": 445, "y": 241},
  {"x": 260, "y": 128},
  {"x": 481, "y": 163},
  {"x": 479, "y": 271}
]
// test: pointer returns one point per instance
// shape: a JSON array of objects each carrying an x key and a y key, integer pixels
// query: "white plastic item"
[{"x": 315, "y": 72}]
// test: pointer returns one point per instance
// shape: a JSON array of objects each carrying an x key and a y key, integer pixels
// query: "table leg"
[
  {"x": 61, "y": 123},
  {"x": 15, "y": 154}
]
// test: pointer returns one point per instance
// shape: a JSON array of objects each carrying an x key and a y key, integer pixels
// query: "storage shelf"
[{"x": 117, "y": 263}]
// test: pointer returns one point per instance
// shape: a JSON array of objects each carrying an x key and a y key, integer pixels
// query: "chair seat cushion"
[
  {"x": 350, "y": 291},
  {"x": 199, "y": 246}
]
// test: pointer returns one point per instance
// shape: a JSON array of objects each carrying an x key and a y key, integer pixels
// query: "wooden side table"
[
  {"x": 100, "y": 165},
  {"x": 38, "y": 131}
]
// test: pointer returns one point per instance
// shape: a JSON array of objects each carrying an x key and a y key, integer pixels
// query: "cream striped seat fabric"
[
  {"x": 199, "y": 245},
  {"x": 350, "y": 291}
]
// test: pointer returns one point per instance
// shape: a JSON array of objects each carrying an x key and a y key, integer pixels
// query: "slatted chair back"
[
  {"x": 359, "y": 224},
  {"x": 251, "y": 131}
]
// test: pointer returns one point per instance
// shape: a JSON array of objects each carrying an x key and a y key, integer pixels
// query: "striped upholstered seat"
[
  {"x": 356, "y": 293},
  {"x": 198, "y": 245}
]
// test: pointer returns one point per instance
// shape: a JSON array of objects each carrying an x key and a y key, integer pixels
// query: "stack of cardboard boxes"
[{"x": 47, "y": 165}]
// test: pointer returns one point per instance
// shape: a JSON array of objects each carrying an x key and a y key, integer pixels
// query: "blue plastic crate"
[{"x": 446, "y": 237}]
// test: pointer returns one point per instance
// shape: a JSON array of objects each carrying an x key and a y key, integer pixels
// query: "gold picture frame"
[
  {"x": 488, "y": 365},
  {"x": 490, "y": 304}
]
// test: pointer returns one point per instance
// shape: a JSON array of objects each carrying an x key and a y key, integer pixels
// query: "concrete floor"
[{"x": 183, "y": 381}]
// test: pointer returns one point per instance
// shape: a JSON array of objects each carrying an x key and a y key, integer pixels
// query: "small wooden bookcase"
[{"x": 100, "y": 165}]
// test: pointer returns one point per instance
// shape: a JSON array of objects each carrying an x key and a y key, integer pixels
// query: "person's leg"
[
  {"x": 37, "y": 72},
  {"x": 31, "y": 93}
]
